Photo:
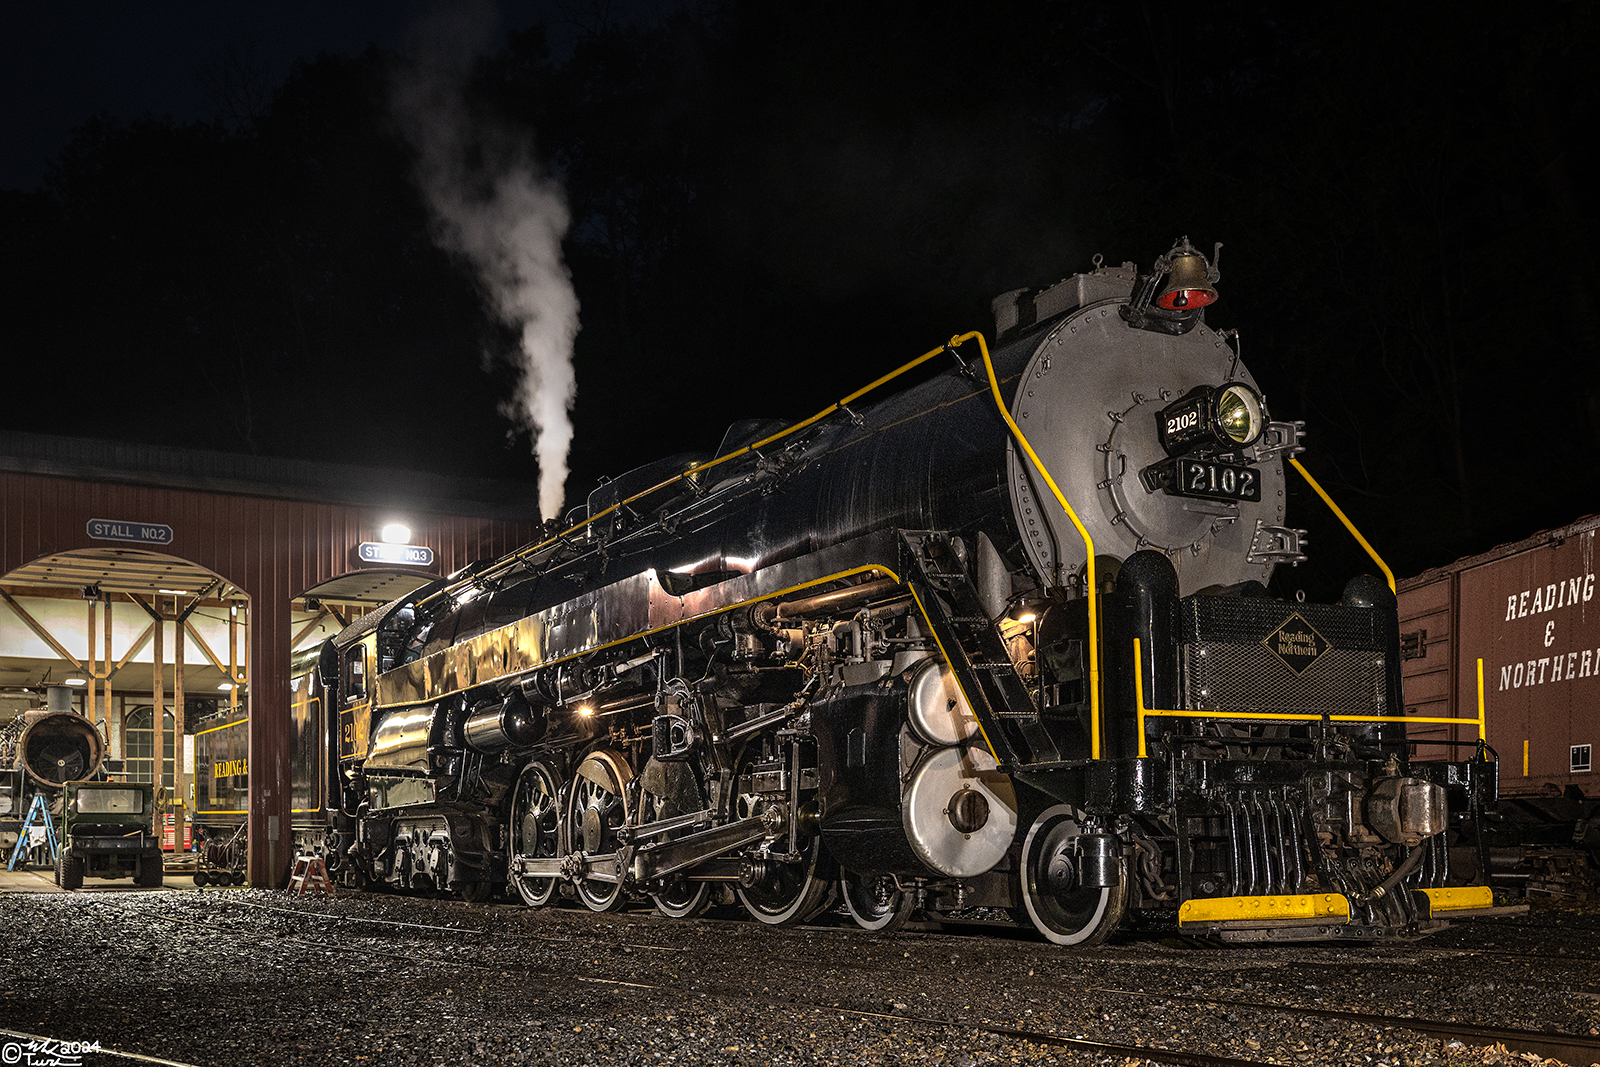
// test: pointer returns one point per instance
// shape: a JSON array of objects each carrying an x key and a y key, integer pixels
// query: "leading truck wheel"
[
  {"x": 875, "y": 903},
  {"x": 150, "y": 872},
  {"x": 1064, "y": 911}
]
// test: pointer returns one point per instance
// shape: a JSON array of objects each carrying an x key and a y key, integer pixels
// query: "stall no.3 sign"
[{"x": 409, "y": 555}]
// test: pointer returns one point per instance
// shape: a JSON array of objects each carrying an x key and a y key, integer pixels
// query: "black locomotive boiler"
[{"x": 1000, "y": 639}]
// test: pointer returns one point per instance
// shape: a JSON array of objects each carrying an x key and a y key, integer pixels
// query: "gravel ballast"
[{"x": 245, "y": 977}]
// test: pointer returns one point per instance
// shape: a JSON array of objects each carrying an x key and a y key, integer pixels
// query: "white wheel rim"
[{"x": 1044, "y": 823}]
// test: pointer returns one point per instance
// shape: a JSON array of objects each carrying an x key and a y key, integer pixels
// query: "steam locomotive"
[{"x": 1001, "y": 639}]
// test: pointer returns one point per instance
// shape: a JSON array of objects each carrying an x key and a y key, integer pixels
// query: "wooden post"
[
  {"x": 158, "y": 696},
  {"x": 267, "y": 674},
  {"x": 122, "y": 744},
  {"x": 182, "y": 794},
  {"x": 233, "y": 657},
  {"x": 92, "y": 674}
]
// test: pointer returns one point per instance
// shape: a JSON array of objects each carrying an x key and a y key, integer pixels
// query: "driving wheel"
[
  {"x": 535, "y": 831},
  {"x": 676, "y": 896},
  {"x": 596, "y": 810}
]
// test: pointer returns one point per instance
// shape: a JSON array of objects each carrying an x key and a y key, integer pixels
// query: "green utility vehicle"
[{"x": 108, "y": 830}]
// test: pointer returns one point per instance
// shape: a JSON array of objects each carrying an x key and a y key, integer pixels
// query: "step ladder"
[
  {"x": 310, "y": 871},
  {"x": 38, "y": 813}
]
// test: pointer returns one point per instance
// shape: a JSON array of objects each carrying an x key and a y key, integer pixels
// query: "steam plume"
[{"x": 493, "y": 207}]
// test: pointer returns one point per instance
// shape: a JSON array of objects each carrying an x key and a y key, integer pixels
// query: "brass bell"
[{"x": 1188, "y": 284}]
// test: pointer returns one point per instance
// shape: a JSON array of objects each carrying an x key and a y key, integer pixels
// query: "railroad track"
[{"x": 1569, "y": 1048}]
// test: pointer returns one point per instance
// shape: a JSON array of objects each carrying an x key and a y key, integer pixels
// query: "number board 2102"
[{"x": 1216, "y": 481}]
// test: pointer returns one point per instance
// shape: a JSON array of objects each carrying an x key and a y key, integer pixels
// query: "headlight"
[
  {"x": 1238, "y": 414},
  {"x": 1229, "y": 417}
]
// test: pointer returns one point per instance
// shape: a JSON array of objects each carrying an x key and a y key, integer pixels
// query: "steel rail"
[
  {"x": 1545, "y": 1043},
  {"x": 1521, "y": 1040},
  {"x": 427, "y": 926}
]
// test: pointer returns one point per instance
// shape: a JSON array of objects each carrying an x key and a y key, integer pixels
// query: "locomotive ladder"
[{"x": 971, "y": 642}]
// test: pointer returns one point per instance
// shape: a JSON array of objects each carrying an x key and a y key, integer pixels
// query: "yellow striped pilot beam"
[
  {"x": 1460, "y": 898},
  {"x": 1333, "y": 906}
]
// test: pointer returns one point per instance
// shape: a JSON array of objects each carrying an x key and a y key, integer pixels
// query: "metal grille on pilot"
[{"x": 1246, "y": 654}]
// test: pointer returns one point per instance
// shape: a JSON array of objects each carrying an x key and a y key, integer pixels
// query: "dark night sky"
[
  {"x": 773, "y": 203},
  {"x": 62, "y": 63}
]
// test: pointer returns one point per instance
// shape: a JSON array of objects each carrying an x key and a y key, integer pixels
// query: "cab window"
[{"x": 355, "y": 674}]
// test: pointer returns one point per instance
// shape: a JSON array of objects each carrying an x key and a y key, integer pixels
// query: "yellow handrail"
[
  {"x": 530, "y": 550},
  {"x": 1483, "y": 720},
  {"x": 1348, "y": 525},
  {"x": 1092, "y": 590},
  {"x": 1276, "y": 716}
]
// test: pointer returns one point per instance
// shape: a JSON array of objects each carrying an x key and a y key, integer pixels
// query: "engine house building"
[{"x": 135, "y": 578}]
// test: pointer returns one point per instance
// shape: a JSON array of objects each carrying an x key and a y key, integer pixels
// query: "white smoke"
[{"x": 493, "y": 207}]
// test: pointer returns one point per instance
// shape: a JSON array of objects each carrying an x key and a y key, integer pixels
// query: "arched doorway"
[
  {"x": 223, "y": 782},
  {"x": 112, "y": 634}
]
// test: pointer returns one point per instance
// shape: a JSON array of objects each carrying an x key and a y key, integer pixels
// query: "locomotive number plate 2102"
[{"x": 1204, "y": 478}]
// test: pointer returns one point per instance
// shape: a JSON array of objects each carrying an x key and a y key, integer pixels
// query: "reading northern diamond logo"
[{"x": 1297, "y": 643}]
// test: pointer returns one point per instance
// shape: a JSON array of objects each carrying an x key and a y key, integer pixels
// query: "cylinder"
[
  {"x": 513, "y": 723},
  {"x": 958, "y": 812},
  {"x": 936, "y": 707},
  {"x": 60, "y": 747}
]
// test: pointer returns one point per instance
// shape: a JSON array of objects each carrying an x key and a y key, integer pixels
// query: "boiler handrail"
[
  {"x": 1091, "y": 590},
  {"x": 1348, "y": 525}
]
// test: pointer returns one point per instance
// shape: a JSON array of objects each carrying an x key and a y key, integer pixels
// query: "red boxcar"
[{"x": 1531, "y": 612}]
